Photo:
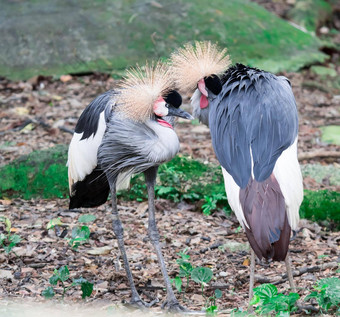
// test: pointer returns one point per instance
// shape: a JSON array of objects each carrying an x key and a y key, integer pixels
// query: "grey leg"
[
  {"x": 171, "y": 303},
  {"x": 252, "y": 273},
  {"x": 289, "y": 272},
  {"x": 119, "y": 233}
]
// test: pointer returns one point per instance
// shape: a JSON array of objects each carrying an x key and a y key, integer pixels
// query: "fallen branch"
[
  {"x": 307, "y": 308},
  {"x": 297, "y": 272},
  {"x": 316, "y": 268},
  {"x": 317, "y": 154},
  {"x": 212, "y": 247},
  {"x": 38, "y": 122}
]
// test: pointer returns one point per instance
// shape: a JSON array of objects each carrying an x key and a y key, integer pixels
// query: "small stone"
[
  {"x": 224, "y": 274},
  {"x": 196, "y": 240},
  {"x": 6, "y": 274},
  {"x": 17, "y": 275},
  {"x": 324, "y": 30},
  {"x": 197, "y": 298}
]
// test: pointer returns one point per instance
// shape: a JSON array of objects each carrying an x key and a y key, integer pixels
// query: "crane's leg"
[
  {"x": 252, "y": 273},
  {"x": 289, "y": 272},
  {"x": 171, "y": 303},
  {"x": 119, "y": 233}
]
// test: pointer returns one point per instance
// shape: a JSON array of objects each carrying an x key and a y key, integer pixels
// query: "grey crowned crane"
[
  {"x": 253, "y": 122},
  {"x": 125, "y": 132}
]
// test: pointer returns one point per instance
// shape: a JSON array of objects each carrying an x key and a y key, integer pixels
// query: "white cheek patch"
[{"x": 160, "y": 109}]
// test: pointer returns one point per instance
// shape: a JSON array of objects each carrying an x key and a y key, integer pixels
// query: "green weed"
[
  {"x": 53, "y": 223},
  {"x": 80, "y": 235},
  {"x": 200, "y": 275},
  {"x": 268, "y": 301},
  {"x": 8, "y": 240},
  {"x": 212, "y": 201},
  {"x": 62, "y": 275},
  {"x": 327, "y": 294}
]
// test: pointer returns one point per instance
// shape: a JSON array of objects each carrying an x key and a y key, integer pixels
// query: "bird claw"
[
  {"x": 138, "y": 303},
  {"x": 173, "y": 306}
]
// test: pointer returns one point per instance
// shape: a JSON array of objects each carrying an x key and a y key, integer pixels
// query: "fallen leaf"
[
  {"x": 65, "y": 78},
  {"x": 100, "y": 251},
  {"x": 5, "y": 202},
  {"x": 21, "y": 111},
  {"x": 246, "y": 262}
]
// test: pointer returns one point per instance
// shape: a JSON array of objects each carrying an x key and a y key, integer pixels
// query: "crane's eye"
[{"x": 173, "y": 98}]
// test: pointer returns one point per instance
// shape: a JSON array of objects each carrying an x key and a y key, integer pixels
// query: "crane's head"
[
  {"x": 169, "y": 106},
  {"x": 195, "y": 70},
  {"x": 147, "y": 93}
]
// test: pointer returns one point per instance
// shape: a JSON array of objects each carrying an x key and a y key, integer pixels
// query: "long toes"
[
  {"x": 173, "y": 306},
  {"x": 141, "y": 304}
]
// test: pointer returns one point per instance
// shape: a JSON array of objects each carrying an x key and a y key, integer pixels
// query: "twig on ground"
[
  {"x": 297, "y": 272},
  {"x": 38, "y": 122},
  {"x": 317, "y": 154},
  {"x": 307, "y": 307},
  {"x": 212, "y": 247}
]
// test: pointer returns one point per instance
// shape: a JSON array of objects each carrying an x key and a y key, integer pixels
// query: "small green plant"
[
  {"x": 238, "y": 229},
  {"x": 185, "y": 269},
  {"x": 54, "y": 222},
  {"x": 268, "y": 301},
  {"x": 238, "y": 312},
  {"x": 80, "y": 235},
  {"x": 201, "y": 275},
  {"x": 62, "y": 275},
  {"x": 327, "y": 293},
  {"x": 211, "y": 203},
  {"x": 8, "y": 240}
]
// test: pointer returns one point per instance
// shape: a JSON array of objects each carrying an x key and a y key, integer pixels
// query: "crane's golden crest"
[
  {"x": 141, "y": 88},
  {"x": 196, "y": 61}
]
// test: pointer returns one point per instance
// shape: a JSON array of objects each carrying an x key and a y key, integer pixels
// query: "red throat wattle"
[
  {"x": 204, "y": 102},
  {"x": 164, "y": 123}
]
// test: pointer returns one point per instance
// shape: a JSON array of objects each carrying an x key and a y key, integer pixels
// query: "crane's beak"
[{"x": 177, "y": 112}]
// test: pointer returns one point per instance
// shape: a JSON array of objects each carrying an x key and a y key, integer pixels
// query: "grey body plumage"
[
  {"x": 133, "y": 147},
  {"x": 255, "y": 110}
]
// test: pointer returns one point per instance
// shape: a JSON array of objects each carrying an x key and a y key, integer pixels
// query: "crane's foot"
[
  {"x": 174, "y": 306},
  {"x": 138, "y": 303}
]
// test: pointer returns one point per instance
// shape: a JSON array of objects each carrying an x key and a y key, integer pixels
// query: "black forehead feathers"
[
  {"x": 173, "y": 98},
  {"x": 213, "y": 83}
]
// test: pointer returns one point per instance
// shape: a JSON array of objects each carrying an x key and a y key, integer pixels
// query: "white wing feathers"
[{"x": 82, "y": 154}]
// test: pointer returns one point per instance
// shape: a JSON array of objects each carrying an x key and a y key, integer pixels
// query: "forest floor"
[{"x": 41, "y": 112}]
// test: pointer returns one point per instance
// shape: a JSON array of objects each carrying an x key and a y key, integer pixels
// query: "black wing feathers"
[
  {"x": 88, "y": 121},
  {"x": 92, "y": 191}
]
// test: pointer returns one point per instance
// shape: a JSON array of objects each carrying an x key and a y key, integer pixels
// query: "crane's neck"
[
  {"x": 166, "y": 145},
  {"x": 201, "y": 113}
]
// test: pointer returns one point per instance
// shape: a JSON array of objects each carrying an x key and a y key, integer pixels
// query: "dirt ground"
[{"x": 42, "y": 112}]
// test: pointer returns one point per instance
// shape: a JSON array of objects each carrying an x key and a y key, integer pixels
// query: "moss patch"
[
  {"x": 106, "y": 35},
  {"x": 310, "y": 13},
  {"x": 39, "y": 174},
  {"x": 322, "y": 205},
  {"x": 331, "y": 134}
]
